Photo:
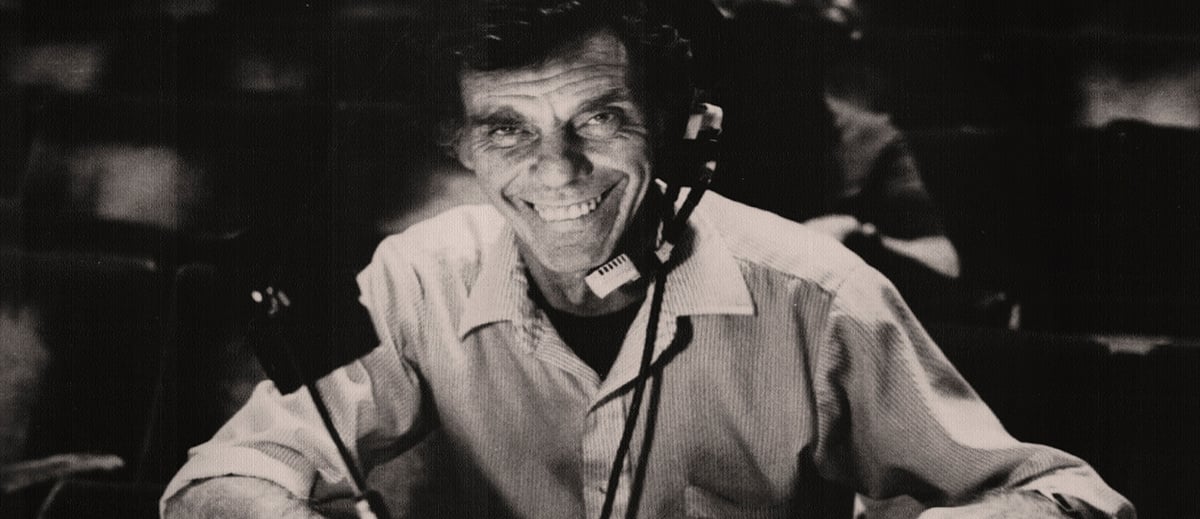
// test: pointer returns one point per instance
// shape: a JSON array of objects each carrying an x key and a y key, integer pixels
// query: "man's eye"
[
  {"x": 600, "y": 126},
  {"x": 507, "y": 135}
]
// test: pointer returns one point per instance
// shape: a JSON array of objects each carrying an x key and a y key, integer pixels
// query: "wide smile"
[{"x": 563, "y": 212}]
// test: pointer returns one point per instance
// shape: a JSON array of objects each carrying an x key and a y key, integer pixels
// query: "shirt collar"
[
  {"x": 501, "y": 290},
  {"x": 707, "y": 281}
]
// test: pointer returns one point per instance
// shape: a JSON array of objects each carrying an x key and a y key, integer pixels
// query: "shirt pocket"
[{"x": 702, "y": 504}]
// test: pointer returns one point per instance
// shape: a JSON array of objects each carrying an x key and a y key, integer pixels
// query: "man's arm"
[
  {"x": 375, "y": 403},
  {"x": 236, "y": 497},
  {"x": 1000, "y": 505},
  {"x": 898, "y": 420},
  {"x": 934, "y": 253}
]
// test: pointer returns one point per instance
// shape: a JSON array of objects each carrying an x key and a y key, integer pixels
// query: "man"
[{"x": 774, "y": 360}]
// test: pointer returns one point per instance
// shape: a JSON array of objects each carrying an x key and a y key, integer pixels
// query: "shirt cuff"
[
  {"x": 238, "y": 461},
  {"x": 1083, "y": 485}
]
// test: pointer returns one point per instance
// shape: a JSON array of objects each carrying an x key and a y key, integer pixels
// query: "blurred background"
[{"x": 160, "y": 157}]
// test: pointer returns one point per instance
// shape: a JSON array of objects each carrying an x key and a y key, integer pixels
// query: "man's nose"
[{"x": 560, "y": 160}]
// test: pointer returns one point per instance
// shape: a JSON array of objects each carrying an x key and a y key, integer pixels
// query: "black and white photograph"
[{"x": 811, "y": 259}]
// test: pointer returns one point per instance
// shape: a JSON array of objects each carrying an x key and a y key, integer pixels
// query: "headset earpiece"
[{"x": 703, "y": 129}]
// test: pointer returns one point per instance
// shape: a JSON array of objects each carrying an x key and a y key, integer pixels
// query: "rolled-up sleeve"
[
  {"x": 897, "y": 419},
  {"x": 374, "y": 401}
]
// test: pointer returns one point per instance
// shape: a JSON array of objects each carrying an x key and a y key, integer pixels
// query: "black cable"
[
  {"x": 360, "y": 483},
  {"x": 639, "y": 477},
  {"x": 165, "y": 383},
  {"x": 362, "y": 494},
  {"x": 614, "y": 474},
  {"x": 675, "y": 227}
]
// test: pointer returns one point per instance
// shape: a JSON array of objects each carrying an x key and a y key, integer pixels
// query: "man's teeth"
[{"x": 555, "y": 213}]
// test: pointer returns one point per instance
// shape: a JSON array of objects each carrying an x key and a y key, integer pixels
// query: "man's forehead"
[{"x": 597, "y": 61}]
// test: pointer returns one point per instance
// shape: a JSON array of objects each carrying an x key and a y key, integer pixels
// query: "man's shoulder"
[
  {"x": 762, "y": 240},
  {"x": 458, "y": 235}
]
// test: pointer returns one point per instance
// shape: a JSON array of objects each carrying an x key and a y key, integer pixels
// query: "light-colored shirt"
[{"x": 780, "y": 356}]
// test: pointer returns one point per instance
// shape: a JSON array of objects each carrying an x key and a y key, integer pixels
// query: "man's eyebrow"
[
  {"x": 501, "y": 115},
  {"x": 617, "y": 95}
]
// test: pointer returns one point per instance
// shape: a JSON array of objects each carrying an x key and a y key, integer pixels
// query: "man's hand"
[
  {"x": 237, "y": 497},
  {"x": 1009, "y": 505},
  {"x": 839, "y": 226}
]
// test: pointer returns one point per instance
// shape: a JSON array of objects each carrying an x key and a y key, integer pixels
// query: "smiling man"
[{"x": 778, "y": 359}]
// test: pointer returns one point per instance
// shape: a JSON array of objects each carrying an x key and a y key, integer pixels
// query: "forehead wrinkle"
[
  {"x": 600, "y": 50},
  {"x": 490, "y": 82},
  {"x": 581, "y": 88},
  {"x": 584, "y": 92}
]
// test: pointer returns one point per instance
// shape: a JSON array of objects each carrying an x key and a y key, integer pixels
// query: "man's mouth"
[{"x": 558, "y": 213}]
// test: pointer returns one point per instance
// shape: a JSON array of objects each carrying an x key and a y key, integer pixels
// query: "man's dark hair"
[{"x": 507, "y": 34}]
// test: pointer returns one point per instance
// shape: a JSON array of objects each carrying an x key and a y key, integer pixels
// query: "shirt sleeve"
[
  {"x": 896, "y": 419},
  {"x": 375, "y": 403}
]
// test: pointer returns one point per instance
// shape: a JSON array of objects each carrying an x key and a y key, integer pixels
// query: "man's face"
[{"x": 561, "y": 149}]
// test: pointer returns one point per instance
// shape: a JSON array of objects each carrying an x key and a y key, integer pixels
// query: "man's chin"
[
  {"x": 572, "y": 252},
  {"x": 571, "y": 261},
  {"x": 572, "y": 267}
]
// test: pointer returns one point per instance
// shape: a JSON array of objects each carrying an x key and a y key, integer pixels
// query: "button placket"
[{"x": 602, "y": 436}]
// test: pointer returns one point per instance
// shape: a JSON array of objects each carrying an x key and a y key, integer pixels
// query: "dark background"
[{"x": 158, "y": 158}]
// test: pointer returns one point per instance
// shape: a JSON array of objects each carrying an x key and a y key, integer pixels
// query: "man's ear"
[
  {"x": 449, "y": 139},
  {"x": 466, "y": 159}
]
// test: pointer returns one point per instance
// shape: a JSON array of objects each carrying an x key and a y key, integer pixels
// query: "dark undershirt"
[{"x": 595, "y": 339}]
